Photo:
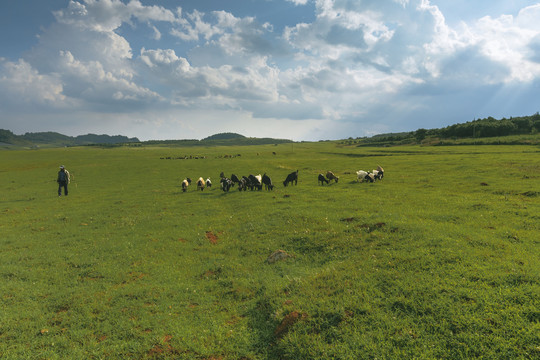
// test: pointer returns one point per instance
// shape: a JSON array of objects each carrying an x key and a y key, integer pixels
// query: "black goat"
[
  {"x": 290, "y": 178},
  {"x": 322, "y": 179},
  {"x": 267, "y": 182}
]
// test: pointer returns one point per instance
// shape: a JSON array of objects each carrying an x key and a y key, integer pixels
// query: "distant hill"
[
  {"x": 222, "y": 139},
  {"x": 56, "y": 139},
  {"x": 104, "y": 139},
  {"x": 224, "y": 136}
]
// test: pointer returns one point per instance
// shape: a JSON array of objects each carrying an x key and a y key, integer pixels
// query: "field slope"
[{"x": 440, "y": 259}]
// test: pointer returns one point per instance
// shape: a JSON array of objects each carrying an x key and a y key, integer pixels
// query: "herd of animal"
[{"x": 256, "y": 182}]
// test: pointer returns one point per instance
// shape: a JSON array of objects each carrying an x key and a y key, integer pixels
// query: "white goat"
[{"x": 362, "y": 175}]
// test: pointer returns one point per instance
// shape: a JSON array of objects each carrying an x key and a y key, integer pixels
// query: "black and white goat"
[
  {"x": 362, "y": 176},
  {"x": 225, "y": 184}
]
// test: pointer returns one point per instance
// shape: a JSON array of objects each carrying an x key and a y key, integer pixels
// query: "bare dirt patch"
[
  {"x": 212, "y": 237},
  {"x": 287, "y": 322}
]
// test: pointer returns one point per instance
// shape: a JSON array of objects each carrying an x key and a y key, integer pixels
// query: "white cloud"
[
  {"x": 108, "y": 15},
  {"x": 193, "y": 27},
  {"x": 298, "y": 2},
  {"x": 507, "y": 40},
  {"x": 157, "y": 33},
  {"x": 21, "y": 84},
  {"x": 94, "y": 83},
  {"x": 226, "y": 84}
]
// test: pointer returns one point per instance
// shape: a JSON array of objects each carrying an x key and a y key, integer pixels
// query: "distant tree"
[
  {"x": 523, "y": 124},
  {"x": 6, "y": 136},
  {"x": 420, "y": 134}
]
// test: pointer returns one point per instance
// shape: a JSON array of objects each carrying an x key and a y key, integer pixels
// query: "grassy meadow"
[{"x": 439, "y": 260}]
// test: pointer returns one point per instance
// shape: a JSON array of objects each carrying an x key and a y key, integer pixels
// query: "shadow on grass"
[{"x": 260, "y": 321}]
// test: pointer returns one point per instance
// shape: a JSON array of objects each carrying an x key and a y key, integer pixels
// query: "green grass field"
[{"x": 439, "y": 260}]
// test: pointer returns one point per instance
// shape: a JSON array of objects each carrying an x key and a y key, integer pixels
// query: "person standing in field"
[{"x": 63, "y": 180}]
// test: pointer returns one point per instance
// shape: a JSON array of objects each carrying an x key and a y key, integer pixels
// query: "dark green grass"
[{"x": 438, "y": 260}]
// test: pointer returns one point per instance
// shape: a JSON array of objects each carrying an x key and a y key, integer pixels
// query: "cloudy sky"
[{"x": 295, "y": 69}]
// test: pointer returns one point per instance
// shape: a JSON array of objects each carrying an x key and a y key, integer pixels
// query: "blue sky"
[{"x": 296, "y": 69}]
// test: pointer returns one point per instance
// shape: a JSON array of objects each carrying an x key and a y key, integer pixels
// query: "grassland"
[{"x": 439, "y": 260}]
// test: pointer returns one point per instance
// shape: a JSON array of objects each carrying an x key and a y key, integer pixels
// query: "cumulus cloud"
[
  {"x": 257, "y": 81},
  {"x": 22, "y": 85},
  {"x": 95, "y": 84},
  {"x": 511, "y": 41}
]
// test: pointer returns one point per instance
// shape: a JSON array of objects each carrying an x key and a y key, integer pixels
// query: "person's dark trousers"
[{"x": 62, "y": 184}]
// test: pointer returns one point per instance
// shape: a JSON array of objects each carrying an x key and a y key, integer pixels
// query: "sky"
[{"x": 304, "y": 70}]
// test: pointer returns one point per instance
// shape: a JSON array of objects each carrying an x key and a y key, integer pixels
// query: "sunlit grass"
[{"x": 438, "y": 260}]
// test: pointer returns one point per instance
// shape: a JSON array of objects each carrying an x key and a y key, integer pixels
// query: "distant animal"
[
  {"x": 362, "y": 176},
  {"x": 247, "y": 183},
  {"x": 267, "y": 182},
  {"x": 200, "y": 184},
  {"x": 225, "y": 184},
  {"x": 208, "y": 183},
  {"x": 235, "y": 179},
  {"x": 290, "y": 178},
  {"x": 255, "y": 182},
  {"x": 243, "y": 183},
  {"x": 185, "y": 184},
  {"x": 330, "y": 176},
  {"x": 380, "y": 171},
  {"x": 322, "y": 179}
]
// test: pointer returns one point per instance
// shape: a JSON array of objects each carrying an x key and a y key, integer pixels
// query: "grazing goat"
[
  {"x": 208, "y": 183},
  {"x": 185, "y": 184},
  {"x": 322, "y": 179},
  {"x": 290, "y": 178},
  {"x": 364, "y": 175},
  {"x": 255, "y": 182},
  {"x": 235, "y": 179},
  {"x": 378, "y": 174},
  {"x": 225, "y": 184},
  {"x": 200, "y": 184},
  {"x": 380, "y": 171},
  {"x": 330, "y": 176},
  {"x": 243, "y": 183},
  {"x": 267, "y": 182}
]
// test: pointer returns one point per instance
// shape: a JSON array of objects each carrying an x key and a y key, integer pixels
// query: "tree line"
[
  {"x": 490, "y": 127},
  {"x": 478, "y": 128}
]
